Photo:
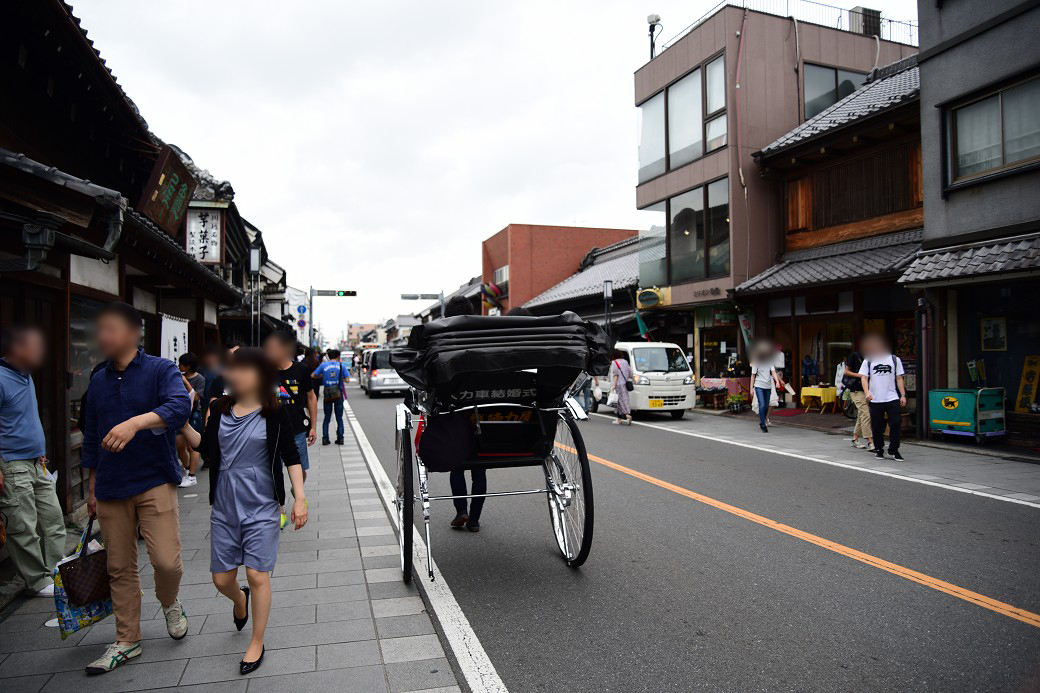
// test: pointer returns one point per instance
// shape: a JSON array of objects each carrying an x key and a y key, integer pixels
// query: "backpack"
[{"x": 335, "y": 394}]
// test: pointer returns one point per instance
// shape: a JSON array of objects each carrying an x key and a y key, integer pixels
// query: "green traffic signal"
[{"x": 346, "y": 293}]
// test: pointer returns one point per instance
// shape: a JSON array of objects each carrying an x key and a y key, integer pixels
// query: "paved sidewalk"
[
  {"x": 961, "y": 469},
  {"x": 342, "y": 619}
]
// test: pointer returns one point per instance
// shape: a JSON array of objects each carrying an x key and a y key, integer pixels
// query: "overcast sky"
[{"x": 377, "y": 144}]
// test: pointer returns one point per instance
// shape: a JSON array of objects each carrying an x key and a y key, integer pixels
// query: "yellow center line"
[{"x": 920, "y": 578}]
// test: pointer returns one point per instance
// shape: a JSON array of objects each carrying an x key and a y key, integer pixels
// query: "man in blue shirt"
[
  {"x": 35, "y": 526},
  {"x": 135, "y": 404},
  {"x": 334, "y": 375}
]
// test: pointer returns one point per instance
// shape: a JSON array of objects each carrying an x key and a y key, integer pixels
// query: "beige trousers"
[
  {"x": 157, "y": 514},
  {"x": 862, "y": 429}
]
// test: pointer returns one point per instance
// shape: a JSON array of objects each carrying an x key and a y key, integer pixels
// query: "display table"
[
  {"x": 735, "y": 386},
  {"x": 822, "y": 396}
]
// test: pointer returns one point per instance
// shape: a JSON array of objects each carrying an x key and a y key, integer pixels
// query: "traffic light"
[{"x": 346, "y": 293}]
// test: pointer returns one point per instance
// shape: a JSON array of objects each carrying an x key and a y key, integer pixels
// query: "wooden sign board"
[
  {"x": 204, "y": 239},
  {"x": 166, "y": 196}
]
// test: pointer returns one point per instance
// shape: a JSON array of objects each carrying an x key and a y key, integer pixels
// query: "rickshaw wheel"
[
  {"x": 567, "y": 466},
  {"x": 405, "y": 502}
]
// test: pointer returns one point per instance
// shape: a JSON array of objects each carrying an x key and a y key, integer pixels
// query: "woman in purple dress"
[
  {"x": 620, "y": 376},
  {"x": 247, "y": 441}
]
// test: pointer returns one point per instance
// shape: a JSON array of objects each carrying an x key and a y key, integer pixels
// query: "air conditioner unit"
[
  {"x": 865, "y": 21},
  {"x": 653, "y": 297}
]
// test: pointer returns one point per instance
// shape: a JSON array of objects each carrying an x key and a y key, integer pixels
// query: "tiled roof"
[
  {"x": 886, "y": 88},
  {"x": 1021, "y": 253},
  {"x": 618, "y": 262},
  {"x": 874, "y": 257}
]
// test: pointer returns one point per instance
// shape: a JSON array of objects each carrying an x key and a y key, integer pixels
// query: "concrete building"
[
  {"x": 731, "y": 84},
  {"x": 523, "y": 260},
  {"x": 978, "y": 274}
]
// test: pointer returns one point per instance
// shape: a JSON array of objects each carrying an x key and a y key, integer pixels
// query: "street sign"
[
  {"x": 301, "y": 309},
  {"x": 331, "y": 292},
  {"x": 420, "y": 297},
  {"x": 301, "y": 324}
]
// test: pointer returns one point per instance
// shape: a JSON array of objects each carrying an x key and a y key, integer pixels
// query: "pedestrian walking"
[
  {"x": 467, "y": 516},
  {"x": 765, "y": 381},
  {"x": 248, "y": 440},
  {"x": 295, "y": 391},
  {"x": 311, "y": 361},
  {"x": 853, "y": 383},
  {"x": 188, "y": 364},
  {"x": 28, "y": 500},
  {"x": 135, "y": 405},
  {"x": 885, "y": 392},
  {"x": 591, "y": 382},
  {"x": 333, "y": 375},
  {"x": 621, "y": 385}
]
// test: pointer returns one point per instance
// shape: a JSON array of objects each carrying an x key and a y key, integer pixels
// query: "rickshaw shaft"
[{"x": 490, "y": 495}]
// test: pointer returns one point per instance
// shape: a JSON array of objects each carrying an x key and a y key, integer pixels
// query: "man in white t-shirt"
[{"x": 885, "y": 393}]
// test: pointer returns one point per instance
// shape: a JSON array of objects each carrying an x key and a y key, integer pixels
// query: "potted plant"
[{"x": 735, "y": 403}]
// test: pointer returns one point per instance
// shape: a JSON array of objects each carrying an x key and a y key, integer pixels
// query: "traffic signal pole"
[{"x": 325, "y": 292}]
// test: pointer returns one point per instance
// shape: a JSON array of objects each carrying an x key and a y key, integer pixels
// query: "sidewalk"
[
  {"x": 342, "y": 619},
  {"x": 964, "y": 470}
]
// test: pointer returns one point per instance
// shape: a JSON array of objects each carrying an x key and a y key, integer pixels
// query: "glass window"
[
  {"x": 83, "y": 353},
  {"x": 659, "y": 360},
  {"x": 687, "y": 236},
  {"x": 380, "y": 360},
  {"x": 826, "y": 86},
  {"x": 716, "y": 133},
  {"x": 978, "y": 137},
  {"x": 718, "y": 223},
  {"x": 685, "y": 121},
  {"x": 1022, "y": 122},
  {"x": 651, "y": 138},
  {"x": 653, "y": 268},
  {"x": 715, "y": 84}
]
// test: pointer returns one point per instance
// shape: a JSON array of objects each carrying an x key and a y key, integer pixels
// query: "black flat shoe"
[
  {"x": 473, "y": 526},
  {"x": 240, "y": 623},
  {"x": 245, "y": 667}
]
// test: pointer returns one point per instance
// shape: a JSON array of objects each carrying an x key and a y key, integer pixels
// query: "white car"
[
  {"x": 377, "y": 376},
  {"x": 661, "y": 376}
]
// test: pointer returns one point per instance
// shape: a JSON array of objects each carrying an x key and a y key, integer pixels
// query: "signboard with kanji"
[
  {"x": 205, "y": 237},
  {"x": 166, "y": 196},
  {"x": 1027, "y": 387}
]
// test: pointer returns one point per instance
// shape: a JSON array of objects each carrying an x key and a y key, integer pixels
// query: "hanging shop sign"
[
  {"x": 205, "y": 237},
  {"x": 169, "y": 189},
  {"x": 173, "y": 337}
]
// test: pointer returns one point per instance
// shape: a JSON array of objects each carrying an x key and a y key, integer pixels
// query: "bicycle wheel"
[
  {"x": 570, "y": 492},
  {"x": 405, "y": 502},
  {"x": 850, "y": 409}
]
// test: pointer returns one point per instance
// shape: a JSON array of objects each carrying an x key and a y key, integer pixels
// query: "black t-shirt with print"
[{"x": 293, "y": 385}]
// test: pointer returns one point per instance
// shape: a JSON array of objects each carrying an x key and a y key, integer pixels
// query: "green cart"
[{"x": 962, "y": 412}]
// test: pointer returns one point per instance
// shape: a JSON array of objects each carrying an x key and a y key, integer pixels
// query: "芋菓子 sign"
[
  {"x": 205, "y": 237},
  {"x": 166, "y": 196}
]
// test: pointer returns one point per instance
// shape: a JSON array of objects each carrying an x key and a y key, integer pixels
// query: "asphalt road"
[{"x": 680, "y": 595}]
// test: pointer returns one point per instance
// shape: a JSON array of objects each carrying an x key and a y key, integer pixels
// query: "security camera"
[{"x": 653, "y": 19}]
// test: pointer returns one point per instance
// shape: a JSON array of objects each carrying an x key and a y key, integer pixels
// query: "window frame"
[
  {"x": 834, "y": 69},
  {"x": 705, "y": 116},
  {"x": 708, "y": 276},
  {"x": 951, "y": 181}
]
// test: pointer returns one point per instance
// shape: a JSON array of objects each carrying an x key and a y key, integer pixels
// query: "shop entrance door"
[{"x": 822, "y": 345}]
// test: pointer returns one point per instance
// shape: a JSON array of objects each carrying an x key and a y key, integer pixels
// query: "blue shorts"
[{"x": 301, "y": 445}]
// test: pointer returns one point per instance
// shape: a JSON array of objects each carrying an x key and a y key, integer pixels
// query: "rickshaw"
[{"x": 493, "y": 393}]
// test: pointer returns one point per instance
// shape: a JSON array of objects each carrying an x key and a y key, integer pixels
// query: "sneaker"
[
  {"x": 339, "y": 441},
  {"x": 473, "y": 526},
  {"x": 47, "y": 592},
  {"x": 176, "y": 621},
  {"x": 859, "y": 444},
  {"x": 115, "y": 654},
  {"x": 326, "y": 441},
  {"x": 896, "y": 456},
  {"x": 188, "y": 481},
  {"x": 878, "y": 455}
]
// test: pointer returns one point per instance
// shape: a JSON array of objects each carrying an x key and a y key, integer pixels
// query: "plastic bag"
[{"x": 611, "y": 399}]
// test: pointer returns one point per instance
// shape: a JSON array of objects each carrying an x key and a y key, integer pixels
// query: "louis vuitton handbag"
[{"x": 85, "y": 577}]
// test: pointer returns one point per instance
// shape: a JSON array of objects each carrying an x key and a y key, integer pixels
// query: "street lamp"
[
  {"x": 255, "y": 260},
  {"x": 608, "y": 301}
]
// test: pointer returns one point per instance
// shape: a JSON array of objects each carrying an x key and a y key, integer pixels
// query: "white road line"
[
  {"x": 476, "y": 666},
  {"x": 799, "y": 456}
]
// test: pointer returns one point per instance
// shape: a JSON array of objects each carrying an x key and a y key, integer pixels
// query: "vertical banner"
[
  {"x": 173, "y": 337},
  {"x": 747, "y": 328}
]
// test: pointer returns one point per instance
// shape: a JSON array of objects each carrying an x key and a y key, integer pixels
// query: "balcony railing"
[{"x": 867, "y": 24}]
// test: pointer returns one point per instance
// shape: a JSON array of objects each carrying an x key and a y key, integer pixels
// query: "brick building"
[{"x": 523, "y": 260}]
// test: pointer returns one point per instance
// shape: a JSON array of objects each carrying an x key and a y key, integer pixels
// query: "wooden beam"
[{"x": 897, "y": 221}]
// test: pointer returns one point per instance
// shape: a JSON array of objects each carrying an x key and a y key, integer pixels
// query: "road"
[{"x": 680, "y": 594}]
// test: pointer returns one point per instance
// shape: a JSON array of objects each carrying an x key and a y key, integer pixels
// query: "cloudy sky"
[{"x": 376, "y": 144}]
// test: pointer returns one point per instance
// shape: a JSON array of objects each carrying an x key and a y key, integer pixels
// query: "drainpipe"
[
  {"x": 38, "y": 237},
  {"x": 740, "y": 152},
  {"x": 923, "y": 324}
]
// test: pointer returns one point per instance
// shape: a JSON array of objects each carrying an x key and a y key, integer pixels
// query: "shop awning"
[
  {"x": 873, "y": 258},
  {"x": 1008, "y": 257}
]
